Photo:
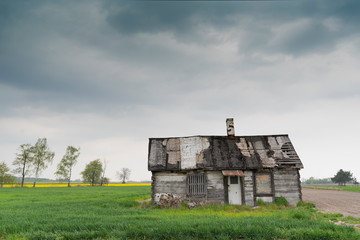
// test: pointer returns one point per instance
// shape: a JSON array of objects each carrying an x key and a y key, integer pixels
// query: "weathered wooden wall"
[
  {"x": 249, "y": 188},
  {"x": 287, "y": 184},
  {"x": 167, "y": 182},
  {"x": 175, "y": 183},
  {"x": 215, "y": 186}
]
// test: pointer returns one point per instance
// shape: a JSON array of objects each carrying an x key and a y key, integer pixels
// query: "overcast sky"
[{"x": 107, "y": 75}]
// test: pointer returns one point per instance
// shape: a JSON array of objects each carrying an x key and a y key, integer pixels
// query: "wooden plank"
[
  {"x": 291, "y": 194},
  {"x": 291, "y": 185},
  {"x": 173, "y": 144},
  {"x": 170, "y": 189},
  {"x": 285, "y": 178},
  {"x": 266, "y": 199},
  {"x": 170, "y": 178},
  {"x": 157, "y": 155},
  {"x": 263, "y": 183},
  {"x": 168, "y": 173},
  {"x": 174, "y": 157},
  {"x": 217, "y": 194},
  {"x": 169, "y": 185}
]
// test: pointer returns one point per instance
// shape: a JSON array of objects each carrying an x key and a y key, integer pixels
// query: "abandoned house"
[{"x": 225, "y": 169}]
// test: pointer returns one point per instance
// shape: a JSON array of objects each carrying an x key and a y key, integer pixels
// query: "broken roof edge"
[{"x": 223, "y": 136}]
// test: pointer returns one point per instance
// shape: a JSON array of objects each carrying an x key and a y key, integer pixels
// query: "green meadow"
[
  {"x": 352, "y": 188},
  {"x": 115, "y": 213}
]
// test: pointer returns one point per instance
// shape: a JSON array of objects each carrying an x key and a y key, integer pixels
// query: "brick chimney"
[{"x": 230, "y": 127}]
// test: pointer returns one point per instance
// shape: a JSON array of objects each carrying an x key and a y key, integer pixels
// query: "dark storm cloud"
[
  {"x": 257, "y": 20},
  {"x": 120, "y": 52},
  {"x": 50, "y": 53}
]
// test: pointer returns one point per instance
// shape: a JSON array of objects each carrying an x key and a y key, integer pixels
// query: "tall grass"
[
  {"x": 114, "y": 213},
  {"x": 72, "y": 184}
]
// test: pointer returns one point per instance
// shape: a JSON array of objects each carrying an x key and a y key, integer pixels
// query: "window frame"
[
  {"x": 196, "y": 185},
  {"x": 271, "y": 181}
]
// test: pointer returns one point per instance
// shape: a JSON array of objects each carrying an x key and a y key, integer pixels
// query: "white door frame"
[{"x": 234, "y": 190}]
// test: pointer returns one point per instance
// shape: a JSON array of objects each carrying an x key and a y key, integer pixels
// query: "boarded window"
[
  {"x": 263, "y": 184},
  {"x": 196, "y": 185}
]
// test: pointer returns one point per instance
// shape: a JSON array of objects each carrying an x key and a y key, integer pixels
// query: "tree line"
[
  {"x": 341, "y": 178},
  {"x": 34, "y": 159}
]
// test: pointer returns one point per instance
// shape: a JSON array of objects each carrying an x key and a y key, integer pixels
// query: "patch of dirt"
[{"x": 332, "y": 201}]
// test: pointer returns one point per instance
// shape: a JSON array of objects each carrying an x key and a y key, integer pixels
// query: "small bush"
[
  {"x": 281, "y": 201},
  {"x": 184, "y": 205},
  {"x": 300, "y": 214},
  {"x": 307, "y": 205},
  {"x": 260, "y": 202},
  {"x": 332, "y": 215}
]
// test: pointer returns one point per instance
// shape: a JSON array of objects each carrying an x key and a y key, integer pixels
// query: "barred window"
[{"x": 196, "y": 185}]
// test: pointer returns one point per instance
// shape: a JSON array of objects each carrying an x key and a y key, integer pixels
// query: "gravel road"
[{"x": 332, "y": 201}]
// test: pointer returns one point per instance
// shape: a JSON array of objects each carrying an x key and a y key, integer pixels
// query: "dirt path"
[{"x": 332, "y": 201}]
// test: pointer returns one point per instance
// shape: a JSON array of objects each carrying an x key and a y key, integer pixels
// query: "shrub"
[
  {"x": 260, "y": 202},
  {"x": 307, "y": 205},
  {"x": 300, "y": 214},
  {"x": 331, "y": 216},
  {"x": 281, "y": 201}
]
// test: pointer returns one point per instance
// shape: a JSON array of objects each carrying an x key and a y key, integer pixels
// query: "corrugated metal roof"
[{"x": 222, "y": 153}]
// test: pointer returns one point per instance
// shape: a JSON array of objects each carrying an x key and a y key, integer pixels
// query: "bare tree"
[
  {"x": 124, "y": 174},
  {"x": 104, "y": 180}
]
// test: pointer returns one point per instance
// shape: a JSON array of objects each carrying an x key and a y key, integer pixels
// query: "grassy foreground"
[
  {"x": 72, "y": 184},
  {"x": 339, "y": 188},
  {"x": 113, "y": 213}
]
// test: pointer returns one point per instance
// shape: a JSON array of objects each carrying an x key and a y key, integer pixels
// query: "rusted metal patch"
[{"x": 233, "y": 173}]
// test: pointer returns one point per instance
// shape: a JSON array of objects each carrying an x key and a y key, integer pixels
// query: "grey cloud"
[
  {"x": 311, "y": 37},
  {"x": 185, "y": 20},
  {"x": 43, "y": 38}
]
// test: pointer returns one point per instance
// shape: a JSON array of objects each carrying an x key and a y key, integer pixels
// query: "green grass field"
[
  {"x": 339, "y": 188},
  {"x": 113, "y": 213}
]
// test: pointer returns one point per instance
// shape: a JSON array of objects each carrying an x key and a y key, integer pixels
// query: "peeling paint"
[
  {"x": 243, "y": 147},
  {"x": 191, "y": 151}
]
